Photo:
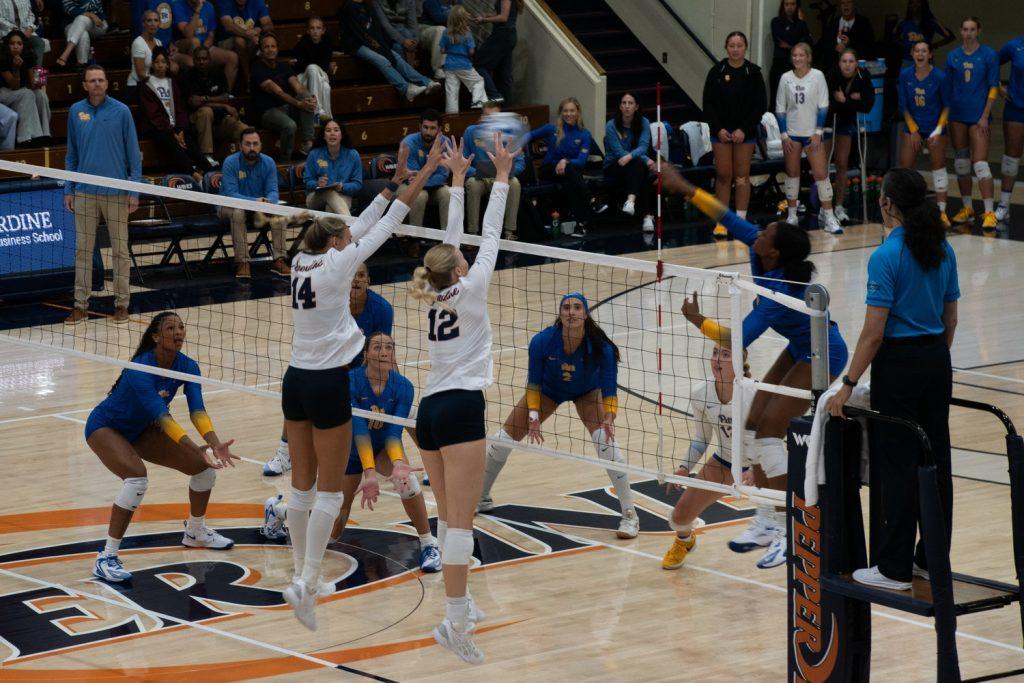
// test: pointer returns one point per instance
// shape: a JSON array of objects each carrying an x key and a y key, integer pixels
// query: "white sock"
[
  {"x": 112, "y": 546},
  {"x": 427, "y": 539},
  {"x": 195, "y": 523},
  {"x": 781, "y": 519},
  {"x": 1004, "y": 198},
  {"x": 321, "y": 521},
  {"x": 620, "y": 480},
  {"x": 297, "y": 516},
  {"x": 283, "y": 445},
  {"x": 942, "y": 207},
  {"x": 742, "y": 214},
  {"x": 791, "y": 216},
  {"x": 828, "y": 213},
  {"x": 989, "y": 204},
  {"x": 457, "y": 612}
]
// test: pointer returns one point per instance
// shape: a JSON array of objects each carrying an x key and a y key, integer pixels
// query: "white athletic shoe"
[
  {"x": 1003, "y": 213},
  {"x": 841, "y": 215},
  {"x": 430, "y": 559},
  {"x": 109, "y": 568},
  {"x": 280, "y": 463},
  {"x": 831, "y": 225},
  {"x": 476, "y": 615},
  {"x": 434, "y": 86},
  {"x": 460, "y": 644},
  {"x": 629, "y": 526},
  {"x": 776, "y": 553},
  {"x": 759, "y": 533},
  {"x": 794, "y": 221},
  {"x": 324, "y": 589},
  {"x": 274, "y": 515},
  {"x": 629, "y": 208},
  {"x": 648, "y": 224},
  {"x": 412, "y": 91},
  {"x": 302, "y": 602},
  {"x": 205, "y": 537},
  {"x": 485, "y": 504},
  {"x": 921, "y": 573},
  {"x": 872, "y": 577}
]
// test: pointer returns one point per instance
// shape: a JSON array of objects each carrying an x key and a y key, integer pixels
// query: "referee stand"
[{"x": 829, "y": 637}]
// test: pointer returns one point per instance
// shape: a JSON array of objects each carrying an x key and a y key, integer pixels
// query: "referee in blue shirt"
[{"x": 908, "y": 329}]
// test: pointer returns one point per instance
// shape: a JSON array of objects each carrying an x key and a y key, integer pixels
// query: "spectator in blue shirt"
[
  {"x": 334, "y": 171},
  {"x": 627, "y": 158},
  {"x": 908, "y": 329},
  {"x": 436, "y": 189},
  {"x": 458, "y": 46},
  {"x": 241, "y": 23},
  {"x": 568, "y": 147},
  {"x": 432, "y": 21},
  {"x": 248, "y": 174},
  {"x": 86, "y": 20},
  {"x": 195, "y": 25},
  {"x": 8, "y": 127},
  {"x": 480, "y": 176},
  {"x": 102, "y": 141}
]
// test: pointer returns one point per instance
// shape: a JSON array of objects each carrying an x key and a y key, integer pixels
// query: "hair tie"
[{"x": 426, "y": 268}]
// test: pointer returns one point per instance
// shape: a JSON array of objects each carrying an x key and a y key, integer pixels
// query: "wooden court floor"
[{"x": 565, "y": 599}]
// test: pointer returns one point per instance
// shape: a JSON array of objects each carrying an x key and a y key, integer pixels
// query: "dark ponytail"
[
  {"x": 793, "y": 246},
  {"x": 146, "y": 343},
  {"x": 925, "y": 233}
]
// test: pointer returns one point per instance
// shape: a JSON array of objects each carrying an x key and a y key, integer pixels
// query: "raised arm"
[
  {"x": 372, "y": 213},
  {"x": 483, "y": 267},
  {"x": 673, "y": 182},
  {"x": 459, "y": 165}
]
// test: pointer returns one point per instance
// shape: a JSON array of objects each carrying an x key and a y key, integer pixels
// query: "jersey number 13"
[{"x": 444, "y": 325}]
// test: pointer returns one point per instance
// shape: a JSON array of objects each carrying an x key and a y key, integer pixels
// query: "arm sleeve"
[
  {"x": 387, "y": 317},
  {"x": 352, "y": 183},
  {"x": 881, "y": 287},
  {"x": 71, "y": 153},
  {"x": 131, "y": 138},
  {"x": 535, "y": 372},
  {"x": 739, "y": 228},
  {"x": 311, "y": 176},
  {"x": 270, "y": 190},
  {"x": 710, "y": 102},
  {"x": 385, "y": 23},
  {"x": 756, "y": 322},
  {"x": 196, "y": 408},
  {"x": 141, "y": 383},
  {"x": 1005, "y": 54},
  {"x": 777, "y": 31},
  {"x": 780, "y": 102},
  {"x": 992, "y": 66},
  {"x": 613, "y": 149},
  {"x": 867, "y": 94},
  {"x": 375, "y": 237},
  {"x": 479, "y": 275},
  {"x": 584, "y": 153},
  {"x": 700, "y": 437},
  {"x": 904, "y": 106},
  {"x": 456, "y": 211},
  {"x": 609, "y": 379},
  {"x": 368, "y": 218},
  {"x": 643, "y": 145},
  {"x": 363, "y": 443},
  {"x": 822, "y": 105},
  {"x": 393, "y": 438}
]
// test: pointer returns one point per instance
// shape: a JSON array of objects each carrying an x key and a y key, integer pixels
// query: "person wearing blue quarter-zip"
[
  {"x": 436, "y": 189},
  {"x": 102, "y": 141},
  {"x": 568, "y": 142},
  {"x": 334, "y": 172},
  {"x": 480, "y": 176}
]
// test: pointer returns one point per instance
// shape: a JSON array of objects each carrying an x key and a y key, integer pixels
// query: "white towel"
[{"x": 814, "y": 469}]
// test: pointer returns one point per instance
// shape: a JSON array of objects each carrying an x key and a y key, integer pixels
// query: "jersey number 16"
[{"x": 443, "y": 325}]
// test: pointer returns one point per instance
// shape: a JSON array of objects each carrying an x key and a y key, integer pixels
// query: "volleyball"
[{"x": 509, "y": 124}]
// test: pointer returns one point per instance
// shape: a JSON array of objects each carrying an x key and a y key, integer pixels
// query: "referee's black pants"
[{"x": 912, "y": 379}]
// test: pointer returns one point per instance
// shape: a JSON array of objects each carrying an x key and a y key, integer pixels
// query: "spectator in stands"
[
  {"x": 734, "y": 101},
  {"x": 101, "y": 141},
  {"x": 458, "y": 47},
  {"x": 399, "y": 19},
  {"x": 248, "y": 174},
  {"x": 164, "y": 119},
  {"x": 433, "y": 20},
  {"x": 17, "y": 14},
  {"x": 86, "y": 20},
  {"x": 314, "y": 55},
  {"x": 568, "y": 147},
  {"x": 919, "y": 23},
  {"x": 627, "y": 157},
  {"x": 494, "y": 58},
  {"x": 334, "y": 171},
  {"x": 363, "y": 35},
  {"x": 436, "y": 189},
  {"x": 848, "y": 29},
  {"x": 8, "y": 127},
  {"x": 480, "y": 175},
  {"x": 851, "y": 92},
  {"x": 142, "y": 52},
  {"x": 278, "y": 99},
  {"x": 788, "y": 29},
  {"x": 212, "y": 108},
  {"x": 19, "y": 91},
  {"x": 195, "y": 22},
  {"x": 241, "y": 24}
]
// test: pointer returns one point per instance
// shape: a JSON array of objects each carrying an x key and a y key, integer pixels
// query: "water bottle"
[
  {"x": 556, "y": 224},
  {"x": 92, "y": 55}
]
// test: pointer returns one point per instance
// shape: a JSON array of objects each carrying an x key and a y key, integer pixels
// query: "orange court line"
[
  {"x": 156, "y": 512},
  {"x": 102, "y": 315}
]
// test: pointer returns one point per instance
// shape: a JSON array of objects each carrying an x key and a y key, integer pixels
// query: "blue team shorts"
[
  {"x": 803, "y": 140},
  {"x": 1013, "y": 113},
  {"x": 924, "y": 132},
  {"x": 560, "y": 397},
  {"x": 99, "y": 419},
  {"x": 838, "y": 354},
  {"x": 355, "y": 465}
]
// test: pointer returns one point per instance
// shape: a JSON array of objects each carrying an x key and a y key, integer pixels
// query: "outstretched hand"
[
  {"x": 691, "y": 310},
  {"x": 502, "y": 159},
  {"x": 455, "y": 161},
  {"x": 370, "y": 490},
  {"x": 672, "y": 181},
  {"x": 220, "y": 455},
  {"x": 400, "y": 472},
  {"x": 436, "y": 155},
  {"x": 401, "y": 165}
]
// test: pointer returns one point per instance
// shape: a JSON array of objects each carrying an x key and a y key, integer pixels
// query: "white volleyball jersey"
[
  {"x": 800, "y": 99},
  {"x": 713, "y": 420},
  {"x": 325, "y": 333},
  {"x": 459, "y": 331}
]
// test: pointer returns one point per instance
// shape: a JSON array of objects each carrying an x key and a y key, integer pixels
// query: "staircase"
[{"x": 627, "y": 63}]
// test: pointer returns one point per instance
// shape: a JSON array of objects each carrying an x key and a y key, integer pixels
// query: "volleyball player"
[
  {"x": 1013, "y": 123},
  {"x": 924, "y": 100},
  {"x": 973, "y": 73},
  {"x": 801, "y": 107},
  {"x": 133, "y": 426},
  {"x": 450, "y": 421},
  {"x": 572, "y": 360},
  {"x": 851, "y": 93},
  {"x": 778, "y": 261},
  {"x": 315, "y": 391}
]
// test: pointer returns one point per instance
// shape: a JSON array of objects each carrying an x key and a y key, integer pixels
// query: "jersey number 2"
[
  {"x": 304, "y": 292},
  {"x": 443, "y": 325}
]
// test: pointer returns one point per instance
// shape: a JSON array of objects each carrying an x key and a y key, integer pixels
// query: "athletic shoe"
[
  {"x": 989, "y": 221},
  {"x": 945, "y": 220},
  {"x": 273, "y": 519},
  {"x": 324, "y": 589},
  {"x": 648, "y": 224},
  {"x": 476, "y": 615},
  {"x": 964, "y": 215},
  {"x": 841, "y": 215},
  {"x": 439, "y": 74},
  {"x": 460, "y": 644},
  {"x": 486, "y": 504},
  {"x": 629, "y": 208},
  {"x": 205, "y": 537},
  {"x": 758, "y": 534},
  {"x": 795, "y": 221},
  {"x": 1003, "y": 213},
  {"x": 430, "y": 559},
  {"x": 872, "y": 577},
  {"x": 109, "y": 568},
  {"x": 831, "y": 225},
  {"x": 120, "y": 315},
  {"x": 720, "y": 231},
  {"x": 302, "y": 602},
  {"x": 413, "y": 91},
  {"x": 211, "y": 162},
  {"x": 280, "y": 463},
  {"x": 629, "y": 525},
  {"x": 677, "y": 553},
  {"x": 921, "y": 573},
  {"x": 78, "y": 315},
  {"x": 434, "y": 87},
  {"x": 776, "y": 553}
]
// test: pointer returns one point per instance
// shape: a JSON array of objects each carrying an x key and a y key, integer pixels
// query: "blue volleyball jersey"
[
  {"x": 924, "y": 99},
  {"x": 1013, "y": 52},
  {"x": 565, "y": 378},
  {"x": 371, "y": 436},
  {"x": 972, "y": 77},
  {"x": 378, "y": 316}
]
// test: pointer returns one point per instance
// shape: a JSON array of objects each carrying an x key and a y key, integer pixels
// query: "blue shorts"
[
  {"x": 99, "y": 419},
  {"x": 355, "y": 465},
  {"x": 924, "y": 131},
  {"x": 802, "y": 140},
  {"x": 560, "y": 397},
  {"x": 849, "y": 130},
  {"x": 838, "y": 354},
  {"x": 1013, "y": 113}
]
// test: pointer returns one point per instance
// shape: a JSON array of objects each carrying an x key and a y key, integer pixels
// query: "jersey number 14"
[
  {"x": 303, "y": 291},
  {"x": 444, "y": 325}
]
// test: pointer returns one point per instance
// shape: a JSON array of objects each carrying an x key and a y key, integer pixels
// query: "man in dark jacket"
[{"x": 848, "y": 29}]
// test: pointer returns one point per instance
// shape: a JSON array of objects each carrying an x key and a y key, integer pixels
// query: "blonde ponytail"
[
  {"x": 435, "y": 274},
  {"x": 420, "y": 289}
]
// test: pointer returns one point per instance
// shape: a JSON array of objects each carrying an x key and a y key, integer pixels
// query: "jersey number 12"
[
  {"x": 304, "y": 292},
  {"x": 443, "y": 325}
]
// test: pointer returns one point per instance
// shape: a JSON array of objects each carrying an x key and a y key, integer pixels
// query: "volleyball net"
[{"x": 182, "y": 259}]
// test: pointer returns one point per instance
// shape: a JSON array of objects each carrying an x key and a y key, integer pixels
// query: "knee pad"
[
  {"x": 792, "y": 188},
  {"x": 1010, "y": 166},
  {"x": 962, "y": 162},
  {"x": 500, "y": 451},
  {"x": 328, "y": 502},
  {"x": 131, "y": 493},
  {"x": 981, "y": 170},
  {"x": 824, "y": 190},
  {"x": 411, "y": 488},
  {"x": 741, "y": 181},
  {"x": 941, "y": 180},
  {"x": 771, "y": 455},
  {"x": 301, "y": 501},
  {"x": 606, "y": 449},
  {"x": 203, "y": 481},
  {"x": 458, "y": 546}
]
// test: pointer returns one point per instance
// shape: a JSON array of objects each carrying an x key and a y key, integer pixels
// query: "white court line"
[
  {"x": 69, "y": 419},
  {"x": 1001, "y": 378},
  {"x": 166, "y": 617}
]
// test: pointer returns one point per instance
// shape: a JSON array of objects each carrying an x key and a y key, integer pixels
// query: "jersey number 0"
[{"x": 443, "y": 325}]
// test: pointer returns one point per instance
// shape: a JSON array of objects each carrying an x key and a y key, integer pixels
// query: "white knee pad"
[
  {"x": 1010, "y": 166},
  {"x": 982, "y": 171},
  {"x": 410, "y": 490},
  {"x": 771, "y": 456},
  {"x": 328, "y": 502},
  {"x": 131, "y": 493},
  {"x": 962, "y": 162},
  {"x": 606, "y": 449},
  {"x": 792, "y": 188},
  {"x": 824, "y": 190},
  {"x": 203, "y": 481},
  {"x": 458, "y": 546},
  {"x": 941, "y": 180},
  {"x": 301, "y": 501}
]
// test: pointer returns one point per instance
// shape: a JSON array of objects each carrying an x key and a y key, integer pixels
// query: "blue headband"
[{"x": 579, "y": 297}]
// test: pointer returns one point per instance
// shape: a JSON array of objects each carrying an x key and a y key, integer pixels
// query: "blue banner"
[{"x": 37, "y": 233}]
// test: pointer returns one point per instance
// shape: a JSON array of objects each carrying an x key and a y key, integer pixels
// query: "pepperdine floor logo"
[{"x": 39, "y": 621}]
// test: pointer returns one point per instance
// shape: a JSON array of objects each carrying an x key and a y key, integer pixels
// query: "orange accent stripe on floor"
[
  {"x": 157, "y": 512},
  {"x": 102, "y": 315}
]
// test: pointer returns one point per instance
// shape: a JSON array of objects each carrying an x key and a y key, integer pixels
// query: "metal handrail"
[
  {"x": 986, "y": 408},
  {"x": 927, "y": 458},
  {"x": 689, "y": 31}
]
